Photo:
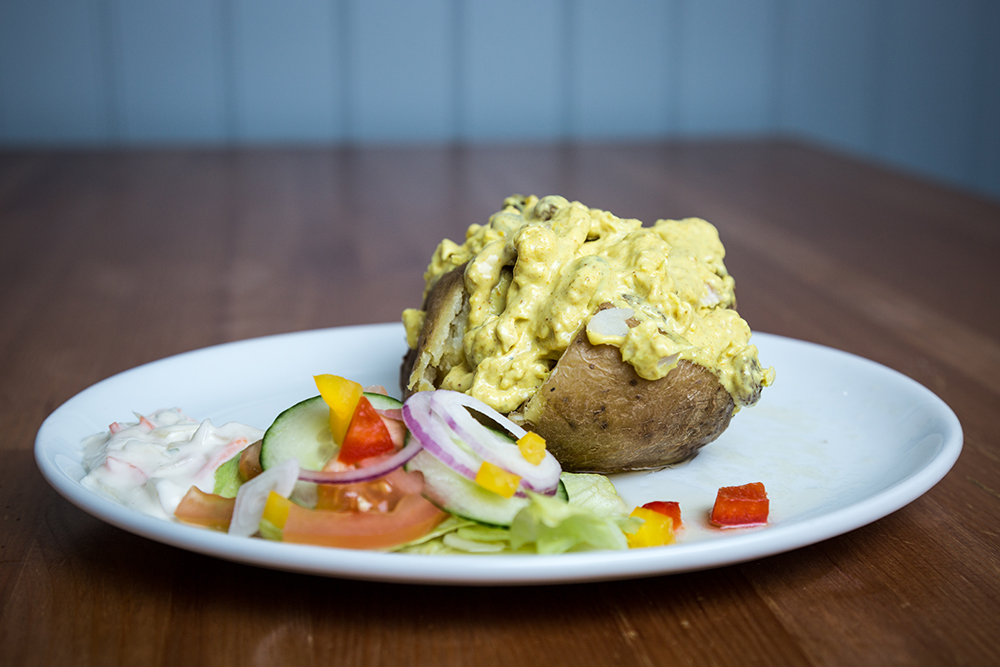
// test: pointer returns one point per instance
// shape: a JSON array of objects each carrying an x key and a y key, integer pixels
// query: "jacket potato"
[{"x": 617, "y": 343}]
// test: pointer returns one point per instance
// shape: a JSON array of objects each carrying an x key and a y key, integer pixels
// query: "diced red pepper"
[
  {"x": 739, "y": 506},
  {"x": 669, "y": 508},
  {"x": 367, "y": 435}
]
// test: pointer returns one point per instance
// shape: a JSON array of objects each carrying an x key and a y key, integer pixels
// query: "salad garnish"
[{"x": 354, "y": 468}]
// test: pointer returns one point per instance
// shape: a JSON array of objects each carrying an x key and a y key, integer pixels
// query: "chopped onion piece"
[
  {"x": 252, "y": 496},
  {"x": 610, "y": 322},
  {"x": 669, "y": 360}
]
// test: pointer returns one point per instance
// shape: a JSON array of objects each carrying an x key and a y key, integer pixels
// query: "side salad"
[{"x": 355, "y": 468}]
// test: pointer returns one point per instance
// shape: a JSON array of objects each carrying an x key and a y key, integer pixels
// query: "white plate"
[{"x": 838, "y": 441}]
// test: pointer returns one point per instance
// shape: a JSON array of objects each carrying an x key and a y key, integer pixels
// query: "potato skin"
[
  {"x": 439, "y": 345},
  {"x": 597, "y": 415}
]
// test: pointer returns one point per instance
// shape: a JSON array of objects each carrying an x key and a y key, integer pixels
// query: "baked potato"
[{"x": 617, "y": 343}]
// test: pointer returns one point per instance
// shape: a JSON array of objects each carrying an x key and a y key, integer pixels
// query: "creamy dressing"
[{"x": 150, "y": 464}]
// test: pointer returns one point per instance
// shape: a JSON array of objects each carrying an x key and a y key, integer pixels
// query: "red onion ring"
[
  {"x": 438, "y": 418},
  {"x": 542, "y": 478},
  {"x": 426, "y": 427},
  {"x": 367, "y": 474}
]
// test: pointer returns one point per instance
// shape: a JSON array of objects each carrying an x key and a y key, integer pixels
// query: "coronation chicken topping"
[{"x": 539, "y": 270}]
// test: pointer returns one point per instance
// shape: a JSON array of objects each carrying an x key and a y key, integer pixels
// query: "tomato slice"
[
  {"x": 367, "y": 435},
  {"x": 380, "y": 495},
  {"x": 205, "y": 509},
  {"x": 413, "y": 517},
  {"x": 396, "y": 514}
]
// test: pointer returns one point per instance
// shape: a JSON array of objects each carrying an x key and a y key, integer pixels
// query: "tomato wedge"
[
  {"x": 367, "y": 435},
  {"x": 413, "y": 517},
  {"x": 205, "y": 509}
]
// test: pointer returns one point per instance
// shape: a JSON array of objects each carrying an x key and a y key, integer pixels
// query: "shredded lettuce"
[
  {"x": 269, "y": 531},
  {"x": 595, "y": 493},
  {"x": 594, "y": 518},
  {"x": 227, "y": 478},
  {"x": 556, "y": 527}
]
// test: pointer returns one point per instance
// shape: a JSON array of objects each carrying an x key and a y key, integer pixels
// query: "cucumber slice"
[
  {"x": 383, "y": 402},
  {"x": 464, "y": 498},
  {"x": 459, "y": 496},
  {"x": 303, "y": 432}
]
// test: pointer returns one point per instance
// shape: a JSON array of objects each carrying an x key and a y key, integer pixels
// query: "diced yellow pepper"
[
  {"x": 276, "y": 510},
  {"x": 657, "y": 531},
  {"x": 497, "y": 480},
  {"x": 342, "y": 396},
  {"x": 532, "y": 447}
]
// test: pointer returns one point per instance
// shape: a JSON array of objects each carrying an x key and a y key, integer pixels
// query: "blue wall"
[{"x": 914, "y": 83}]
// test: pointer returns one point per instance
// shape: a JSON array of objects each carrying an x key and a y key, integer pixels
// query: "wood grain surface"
[{"x": 112, "y": 259}]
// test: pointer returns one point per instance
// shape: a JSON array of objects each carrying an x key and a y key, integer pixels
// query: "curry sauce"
[{"x": 540, "y": 268}]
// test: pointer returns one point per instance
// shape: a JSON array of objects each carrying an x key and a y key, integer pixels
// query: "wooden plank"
[
  {"x": 172, "y": 71},
  {"x": 288, "y": 71},
  {"x": 829, "y": 72},
  {"x": 514, "y": 66},
  {"x": 53, "y": 85},
  {"x": 930, "y": 82},
  {"x": 624, "y": 68},
  {"x": 403, "y": 75},
  {"x": 113, "y": 259},
  {"x": 727, "y": 76}
]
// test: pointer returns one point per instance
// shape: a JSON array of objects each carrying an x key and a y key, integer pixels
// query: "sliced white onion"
[
  {"x": 541, "y": 478},
  {"x": 366, "y": 474},
  {"x": 252, "y": 496},
  {"x": 610, "y": 322},
  {"x": 669, "y": 360}
]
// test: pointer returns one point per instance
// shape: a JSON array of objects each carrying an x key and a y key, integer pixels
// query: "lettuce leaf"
[
  {"x": 595, "y": 493},
  {"x": 594, "y": 518},
  {"x": 556, "y": 527}
]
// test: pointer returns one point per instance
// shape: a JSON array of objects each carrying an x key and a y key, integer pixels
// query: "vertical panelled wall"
[{"x": 912, "y": 82}]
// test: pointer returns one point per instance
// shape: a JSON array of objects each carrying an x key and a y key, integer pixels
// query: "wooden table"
[{"x": 113, "y": 259}]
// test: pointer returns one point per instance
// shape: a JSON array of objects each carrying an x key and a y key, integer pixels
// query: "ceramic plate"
[{"x": 838, "y": 441}]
